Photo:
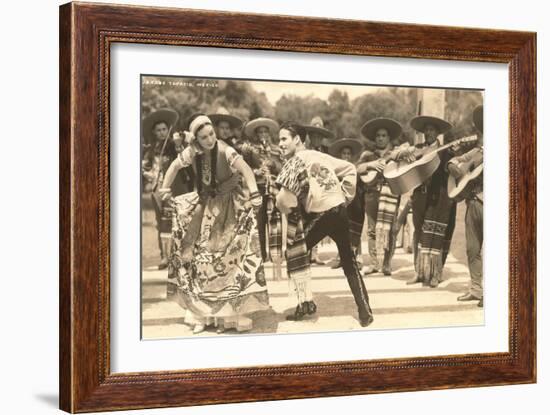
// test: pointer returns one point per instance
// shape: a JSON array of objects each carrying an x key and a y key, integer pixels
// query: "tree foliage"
[{"x": 340, "y": 114}]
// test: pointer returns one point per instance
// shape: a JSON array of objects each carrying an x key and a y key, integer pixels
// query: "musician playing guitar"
[
  {"x": 226, "y": 125},
  {"x": 433, "y": 211},
  {"x": 263, "y": 156},
  {"x": 158, "y": 151},
  {"x": 381, "y": 205},
  {"x": 473, "y": 194}
]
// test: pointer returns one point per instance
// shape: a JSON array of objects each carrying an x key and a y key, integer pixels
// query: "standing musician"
[
  {"x": 381, "y": 205},
  {"x": 158, "y": 152},
  {"x": 315, "y": 189},
  {"x": 349, "y": 149},
  {"x": 458, "y": 168},
  {"x": 264, "y": 157},
  {"x": 226, "y": 125},
  {"x": 318, "y": 137},
  {"x": 434, "y": 213}
]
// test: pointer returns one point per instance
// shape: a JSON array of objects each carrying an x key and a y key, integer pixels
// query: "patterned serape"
[
  {"x": 437, "y": 232},
  {"x": 294, "y": 177},
  {"x": 388, "y": 205},
  {"x": 275, "y": 227}
]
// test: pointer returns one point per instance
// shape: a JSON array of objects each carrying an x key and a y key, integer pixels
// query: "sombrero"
[
  {"x": 478, "y": 117},
  {"x": 250, "y": 126},
  {"x": 419, "y": 123},
  {"x": 223, "y": 115},
  {"x": 336, "y": 147},
  {"x": 317, "y": 126},
  {"x": 169, "y": 116},
  {"x": 369, "y": 129}
]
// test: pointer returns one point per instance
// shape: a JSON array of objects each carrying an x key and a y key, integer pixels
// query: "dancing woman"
[{"x": 216, "y": 270}]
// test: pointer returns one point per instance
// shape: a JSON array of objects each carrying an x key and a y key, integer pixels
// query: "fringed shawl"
[
  {"x": 437, "y": 229},
  {"x": 388, "y": 204},
  {"x": 294, "y": 177}
]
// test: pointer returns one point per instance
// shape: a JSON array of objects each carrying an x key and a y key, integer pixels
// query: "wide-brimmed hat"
[
  {"x": 369, "y": 129},
  {"x": 354, "y": 144},
  {"x": 167, "y": 115},
  {"x": 223, "y": 115},
  {"x": 478, "y": 117},
  {"x": 419, "y": 123},
  {"x": 250, "y": 126},
  {"x": 317, "y": 126}
]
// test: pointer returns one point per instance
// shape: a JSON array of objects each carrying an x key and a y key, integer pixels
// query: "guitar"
[
  {"x": 402, "y": 176},
  {"x": 454, "y": 187},
  {"x": 371, "y": 176}
]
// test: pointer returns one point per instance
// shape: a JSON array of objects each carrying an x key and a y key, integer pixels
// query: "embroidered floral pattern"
[
  {"x": 215, "y": 269},
  {"x": 326, "y": 178}
]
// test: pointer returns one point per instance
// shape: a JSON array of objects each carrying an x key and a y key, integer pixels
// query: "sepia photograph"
[
  {"x": 277, "y": 206},
  {"x": 262, "y": 206}
]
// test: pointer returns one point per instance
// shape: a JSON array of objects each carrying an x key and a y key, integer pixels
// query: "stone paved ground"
[{"x": 394, "y": 304}]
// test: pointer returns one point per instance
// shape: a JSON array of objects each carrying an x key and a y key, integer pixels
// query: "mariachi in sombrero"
[
  {"x": 473, "y": 168},
  {"x": 353, "y": 144},
  {"x": 251, "y": 126},
  {"x": 167, "y": 115},
  {"x": 369, "y": 129},
  {"x": 317, "y": 127},
  {"x": 420, "y": 122},
  {"x": 223, "y": 115}
]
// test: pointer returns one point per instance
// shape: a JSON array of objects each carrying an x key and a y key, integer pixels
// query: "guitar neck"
[
  {"x": 470, "y": 138},
  {"x": 387, "y": 156}
]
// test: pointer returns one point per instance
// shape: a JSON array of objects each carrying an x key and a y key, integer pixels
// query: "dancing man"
[
  {"x": 318, "y": 138},
  {"x": 349, "y": 149},
  {"x": 315, "y": 189}
]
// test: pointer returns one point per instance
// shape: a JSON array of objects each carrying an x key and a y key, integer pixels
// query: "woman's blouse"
[{"x": 226, "y": 158}]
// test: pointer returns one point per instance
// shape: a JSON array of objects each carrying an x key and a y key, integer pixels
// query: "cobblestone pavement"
[{"x": 394, "y": 304}]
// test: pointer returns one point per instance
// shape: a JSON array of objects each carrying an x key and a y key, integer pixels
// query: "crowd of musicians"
[{"x": 231, "y": 195}]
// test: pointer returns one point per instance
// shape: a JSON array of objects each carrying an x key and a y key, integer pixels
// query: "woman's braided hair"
[{"x": 200, "y": 158}]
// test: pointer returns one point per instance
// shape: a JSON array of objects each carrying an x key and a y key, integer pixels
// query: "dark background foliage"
[{"x": 342, "y": 115}]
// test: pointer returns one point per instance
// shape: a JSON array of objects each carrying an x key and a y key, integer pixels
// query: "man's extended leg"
[
  {"x": 335, "y": 223},
  {"x": 339, "y": 233}
]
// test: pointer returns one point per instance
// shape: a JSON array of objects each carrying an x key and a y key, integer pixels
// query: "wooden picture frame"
[{"x": 86, "y": 33}]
